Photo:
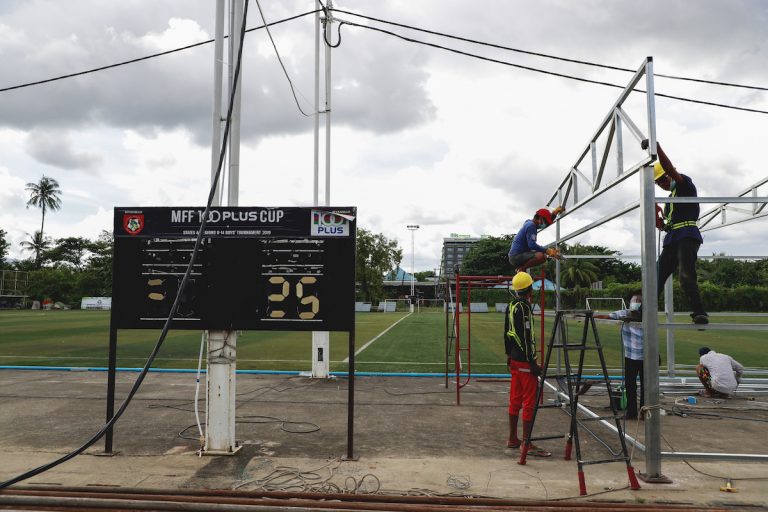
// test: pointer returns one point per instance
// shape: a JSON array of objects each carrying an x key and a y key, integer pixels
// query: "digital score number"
[{"x": 262, "y": 269}]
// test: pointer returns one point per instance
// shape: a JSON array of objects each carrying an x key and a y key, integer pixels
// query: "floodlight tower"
[{"x": 413, "y": 228}]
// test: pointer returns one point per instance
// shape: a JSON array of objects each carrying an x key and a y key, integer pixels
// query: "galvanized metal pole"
[
  {"x": 650, "y": 297},
  {"x": 316, "y": 197},
  {"x": 218, "y": 76},
  {"x": 669, "y": 310},
  {"x": 328, "y": 23}
]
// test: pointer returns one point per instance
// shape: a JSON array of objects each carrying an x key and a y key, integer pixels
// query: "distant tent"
[
  {"x": 398, "y": 275},
  {"x": 548, "y": 285}
]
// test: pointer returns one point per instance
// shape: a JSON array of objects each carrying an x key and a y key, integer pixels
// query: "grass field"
[{"x": 416, "y": 344}]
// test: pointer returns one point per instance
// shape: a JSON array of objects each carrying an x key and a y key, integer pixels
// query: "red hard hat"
[{"x": 545, "y": 214}]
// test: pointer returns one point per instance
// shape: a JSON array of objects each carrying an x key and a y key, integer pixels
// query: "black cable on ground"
[{"x": 45, "y": 467}]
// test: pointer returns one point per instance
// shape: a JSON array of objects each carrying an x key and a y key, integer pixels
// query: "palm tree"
[
  {"x": 44, "y": 195},
  {"x": 579, "y": 272},
  {"x": 36, "y": 243}
]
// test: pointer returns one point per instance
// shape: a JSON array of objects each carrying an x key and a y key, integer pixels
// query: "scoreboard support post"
[
  {"x": 221, "y": 387},
  {"x": 321, "y": 350}
]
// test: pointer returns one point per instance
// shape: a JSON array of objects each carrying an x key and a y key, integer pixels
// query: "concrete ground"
[{"x": 409, "y": 437}]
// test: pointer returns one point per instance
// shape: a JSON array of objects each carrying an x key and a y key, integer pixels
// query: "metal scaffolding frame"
[{"x": 570, "y": 193}]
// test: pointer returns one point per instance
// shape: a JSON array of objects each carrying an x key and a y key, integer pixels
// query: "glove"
[
  {"x": 557, "y": 211},
  {"x": 644, "y": 144},
  {"x": 553, "y": 253},
  {"x": 535, "y": 370},
  {"x": 660, "y": 219}
]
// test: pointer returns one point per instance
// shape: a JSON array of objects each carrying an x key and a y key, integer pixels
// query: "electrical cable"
[
  {"x": 166, "y": 327},
  {"x": 203, "y": 338},
  {"x": 285, "y": 71},
  {"x": 146, "y": 57},
  {"x": 552, "y": 73},
  {"x": 548, "y": 56}
]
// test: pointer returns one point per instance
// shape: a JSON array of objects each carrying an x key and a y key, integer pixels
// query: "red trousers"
[{"x": 522, "y": 389}]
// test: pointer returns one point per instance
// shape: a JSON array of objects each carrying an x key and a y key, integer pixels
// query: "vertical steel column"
[
  {"x": 218, "y": 76},
  {"x": 457, "y": 346},
  {"x": 560, "y": 338},
  {"x": 650, "y": 296},
  {"x": 111, "y": 377},
  {"x": 316, "y": 181},
  {"x": 351, "y": 397},
  {"x": 669, "y": 309}
]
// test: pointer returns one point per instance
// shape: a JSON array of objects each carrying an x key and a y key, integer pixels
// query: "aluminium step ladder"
[{"x": 574, "y": 383}]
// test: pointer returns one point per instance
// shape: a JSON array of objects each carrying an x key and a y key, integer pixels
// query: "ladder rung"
[
  {"x": 550, "y": 406},
  {"x": 545, "y": 438},
  {"x": 603, "y": 461},
  {"x": 618, "y": 416}
]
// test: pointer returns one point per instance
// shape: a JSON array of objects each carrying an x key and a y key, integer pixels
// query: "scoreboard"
[{"x": 289, "y": 268}]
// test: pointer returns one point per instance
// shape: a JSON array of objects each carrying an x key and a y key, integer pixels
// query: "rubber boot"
[{"x": 513, "y": 441}]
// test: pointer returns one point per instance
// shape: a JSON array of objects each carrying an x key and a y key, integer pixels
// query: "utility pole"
[{"x": 321, "y": 340}]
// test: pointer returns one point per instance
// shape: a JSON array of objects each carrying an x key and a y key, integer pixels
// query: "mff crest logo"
[
  {"x": 329, "y": 224},
  {"x": 133, "y": 223}
]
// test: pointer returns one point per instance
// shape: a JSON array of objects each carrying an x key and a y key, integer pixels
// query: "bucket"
[{"x": 619, "y": 398}]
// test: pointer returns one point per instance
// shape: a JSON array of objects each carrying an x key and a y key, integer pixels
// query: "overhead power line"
[
  {"x": 547, "y": 56},
  {"x": 543, "y": 71},
  {"x": 147, "y": 57}
]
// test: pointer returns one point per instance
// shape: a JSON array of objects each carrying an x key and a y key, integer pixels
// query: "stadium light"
[{"x": 413, "y": 228}]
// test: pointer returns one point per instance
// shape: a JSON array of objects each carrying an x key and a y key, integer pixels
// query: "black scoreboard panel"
[{"x": 256, "y": 269}]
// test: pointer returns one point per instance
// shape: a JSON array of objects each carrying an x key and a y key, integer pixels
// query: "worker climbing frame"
[{"x": 573, "y": 383}]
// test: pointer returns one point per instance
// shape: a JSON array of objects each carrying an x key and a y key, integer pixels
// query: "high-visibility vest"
[
  {"x": 528, "y": 323},
  {"x": 668, "y": 219}
]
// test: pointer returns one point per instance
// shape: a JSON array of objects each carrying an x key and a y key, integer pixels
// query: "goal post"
[
  {"x": 590, "y": 301},
  {"x": 430, "y": 305}
]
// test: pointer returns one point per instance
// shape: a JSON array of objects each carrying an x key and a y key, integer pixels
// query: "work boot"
[{"x": 513, "y": 441}]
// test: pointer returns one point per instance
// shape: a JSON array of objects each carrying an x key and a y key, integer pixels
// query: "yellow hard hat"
[
  {"x": 658, "y": 171},
  {"x": 521, "y": 281}
]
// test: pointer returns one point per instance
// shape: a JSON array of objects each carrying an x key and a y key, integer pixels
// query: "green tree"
[
  {"x": 376, "y": 255},
  {"x": 488, "y": 257},
  {"x": 3, "y": 247},
  {"x": 98, "y": 270},
  {"x": 37, "y": 243},
  {"x": 44, "y": 195},
  {"x": 423, "y": 276},
  {"x": 70, "y": 251}
]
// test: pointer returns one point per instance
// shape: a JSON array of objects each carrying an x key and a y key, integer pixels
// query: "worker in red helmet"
[{"x": 525, "y": 252}]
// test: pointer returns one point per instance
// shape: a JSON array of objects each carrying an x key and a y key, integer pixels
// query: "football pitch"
[{"x": 385, "y": 342}]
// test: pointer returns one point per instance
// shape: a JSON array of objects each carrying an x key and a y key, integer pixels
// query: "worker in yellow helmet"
[
  {"x": 519, "y": 344},
  {"x": 682, "y": 241}
]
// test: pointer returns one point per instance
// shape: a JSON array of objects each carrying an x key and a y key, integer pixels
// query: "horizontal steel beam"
[
  {"x": 715, "y": 327},
  {"x": 758, "y": 200}
]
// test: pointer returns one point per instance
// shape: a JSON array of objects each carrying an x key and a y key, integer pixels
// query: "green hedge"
[{"x": 715, "y": 298}]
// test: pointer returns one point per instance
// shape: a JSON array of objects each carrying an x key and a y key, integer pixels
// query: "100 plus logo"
[{"x": 329, "y": 224}]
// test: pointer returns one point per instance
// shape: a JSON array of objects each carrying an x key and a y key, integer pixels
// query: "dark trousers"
[
  {"x": 681, "y": 256},
  {"x": 633, "y": 369}
]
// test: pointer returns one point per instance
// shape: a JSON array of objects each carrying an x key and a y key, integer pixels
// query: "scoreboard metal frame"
[{"x": 277, "y": 268}]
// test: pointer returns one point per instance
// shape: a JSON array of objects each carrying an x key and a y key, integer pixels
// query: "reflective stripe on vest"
[
  {"x": 677, "y": 225},
  {"x": 513, "y": 334}
]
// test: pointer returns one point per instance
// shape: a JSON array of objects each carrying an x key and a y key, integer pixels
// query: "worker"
[
  {"x": 632, "y": 340},
  {"x": 519, "y": 344},
  {"x": 525, "y": 252},
  {"x": 682, "y": 239},
  {"x": 719, "y": 373}
]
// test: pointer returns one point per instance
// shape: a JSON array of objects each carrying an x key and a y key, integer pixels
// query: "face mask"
[{"x": 635, "y": 306}]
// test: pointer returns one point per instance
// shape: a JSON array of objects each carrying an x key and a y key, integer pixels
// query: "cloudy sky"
[{"x": 420, "y": 135}]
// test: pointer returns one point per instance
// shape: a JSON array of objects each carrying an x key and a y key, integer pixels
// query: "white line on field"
[{"x": 382, "y": 333}]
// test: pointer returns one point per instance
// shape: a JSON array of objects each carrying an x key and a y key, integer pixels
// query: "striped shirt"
[{"x": 631, "y": 335}]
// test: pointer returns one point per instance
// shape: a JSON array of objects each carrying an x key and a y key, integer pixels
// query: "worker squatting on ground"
[
  {"x": 519, "y": 344},
  {"x": 525, "y": 252},
  {"x": 632, "y": 338},
  {"x": 720, "y": 373},
  {"x": 682, "y": 241}
]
